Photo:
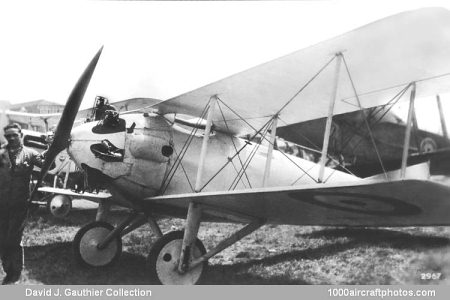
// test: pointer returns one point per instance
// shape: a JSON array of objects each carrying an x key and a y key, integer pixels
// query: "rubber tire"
[
  {"x": 159, "y": 245},
  {"x": 77, "y": 241}
]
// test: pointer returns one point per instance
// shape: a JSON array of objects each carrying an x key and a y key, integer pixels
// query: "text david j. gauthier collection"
[{"x": 87, "y": 292}]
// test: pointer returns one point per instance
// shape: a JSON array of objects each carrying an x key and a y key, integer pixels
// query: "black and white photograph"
[{"x": 224, "y": 143}]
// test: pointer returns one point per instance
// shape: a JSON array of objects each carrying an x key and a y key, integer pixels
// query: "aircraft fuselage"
[{"x": 138, "y": 153}]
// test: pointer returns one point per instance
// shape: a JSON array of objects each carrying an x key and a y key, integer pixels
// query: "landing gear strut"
[
  {"x": 99, "y": 244},
  {"x": 180, "y": 257},
  {"x": 164, "y": 256}
]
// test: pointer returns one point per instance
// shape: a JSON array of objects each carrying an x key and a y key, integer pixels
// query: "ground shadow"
[
  {"x": 374, "y": 236},
  {"x": 357, "y": 237},
  {"x": 75, "y": 218},
  {"x": 239, "y": 274},
  {"x": 54, "y": 263}
]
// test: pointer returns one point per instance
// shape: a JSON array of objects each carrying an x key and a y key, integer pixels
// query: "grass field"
[{"x": 271, "y": 255}]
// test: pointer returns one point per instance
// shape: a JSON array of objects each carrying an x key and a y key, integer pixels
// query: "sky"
[{"x": 160, "y": 49}]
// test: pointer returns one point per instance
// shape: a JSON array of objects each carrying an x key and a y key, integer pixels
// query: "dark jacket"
[
  {"x": 100, "y": 111},
  {"x": 15, "y": 180}
]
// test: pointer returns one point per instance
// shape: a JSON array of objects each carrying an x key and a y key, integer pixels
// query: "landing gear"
[
  {"x": 180, "y": 257},
  {"x": 164, "y": 258},
  {"x": 99, "y": 244},
  {"x": 59, "y": 205},
  {"x": 86, "y": 245}
]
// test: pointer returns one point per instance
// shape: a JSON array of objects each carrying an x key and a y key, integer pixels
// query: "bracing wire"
[
  {"x": 306, "y": 84},
  {"x": 397, "y": 97},
  {"x": 249, "y": 159},
  {"x": 290, "y": 100},
  {"x": 364, "y": 116},
  {"x": 264, "y": 126},
  {"x": 186, "y": 175},
  {"x": 232, "y": 141},
  {"x": 318, "y": 152},
  {"x": 171, "y": 173}
]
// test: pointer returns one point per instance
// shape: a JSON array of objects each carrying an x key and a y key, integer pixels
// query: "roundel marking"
[
  {"x": 428, "y": 145},
  {"x": 358, "y": 203}
]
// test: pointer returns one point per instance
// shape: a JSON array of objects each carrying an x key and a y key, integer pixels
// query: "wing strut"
[
  {"x": 198, "y": 186},
  {"x": 212, "y": 104},
  {"x": 408, "y": 130},
  {"x": 442, "y": 117},
  {"x": 270, "y": 150},
  {"x": 326, "y": 137},
  {"x": 237, "y": 151},
  {"x": 374, "y": 119},
  {"x": 178, "y": 162}
]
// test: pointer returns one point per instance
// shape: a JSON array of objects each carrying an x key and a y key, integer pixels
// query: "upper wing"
[
  {"x": 369, "y": 203},
  {"x": 13, "y": 113},
  {"x": 382, "y": 57},
  {"x": 33, "y": 118}
]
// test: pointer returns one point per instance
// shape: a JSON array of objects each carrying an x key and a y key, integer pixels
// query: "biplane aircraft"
[
  {"x": 183, "y": 157},
  {"x": 32, "y": 119},
  {"x": 352, "y": 145}
]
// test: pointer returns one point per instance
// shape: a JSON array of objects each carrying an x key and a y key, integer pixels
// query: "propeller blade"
[{"x": 62, "y": 134}]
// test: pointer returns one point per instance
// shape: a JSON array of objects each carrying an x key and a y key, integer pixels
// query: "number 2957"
[{"x": 430, "y": 276}]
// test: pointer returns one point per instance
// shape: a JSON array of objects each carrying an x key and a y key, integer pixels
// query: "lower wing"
[
  {"x": 368, "y": 203},
  {"x": 96, "y": 197}
]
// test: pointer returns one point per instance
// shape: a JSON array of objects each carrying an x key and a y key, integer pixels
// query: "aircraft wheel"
[
  {"x": 85, "y": 245},
  {"x": 59, "y": 205},
  {"x": 163, "y": 259}
]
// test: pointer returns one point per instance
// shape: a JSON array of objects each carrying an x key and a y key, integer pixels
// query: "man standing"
[{"x": 16, "y": 165}]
